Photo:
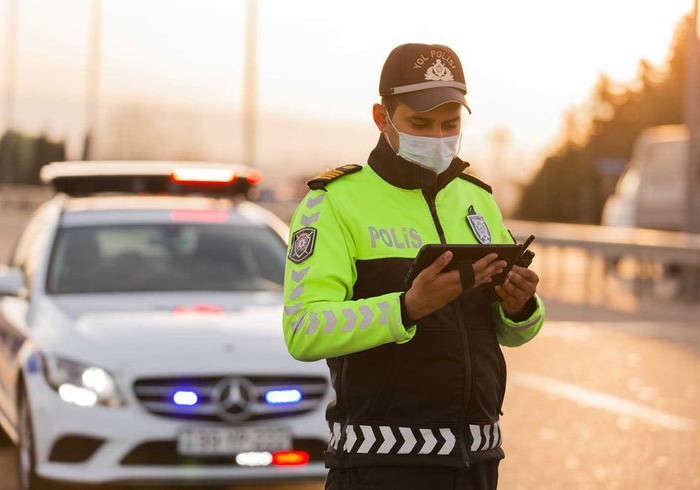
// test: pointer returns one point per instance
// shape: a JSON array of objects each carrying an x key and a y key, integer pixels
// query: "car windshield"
[{"x": 166, "y": 257}]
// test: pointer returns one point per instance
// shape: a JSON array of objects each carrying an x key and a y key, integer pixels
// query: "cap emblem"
[{"x": 438, "y": 71}]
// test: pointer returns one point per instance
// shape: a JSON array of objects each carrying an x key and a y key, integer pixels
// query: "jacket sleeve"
[
  {"x": 512, "y": 333},
  {"x": 320, "y": 319}
]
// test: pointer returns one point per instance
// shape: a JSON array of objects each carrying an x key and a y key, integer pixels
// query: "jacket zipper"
[{"x": 429, "y": 197}]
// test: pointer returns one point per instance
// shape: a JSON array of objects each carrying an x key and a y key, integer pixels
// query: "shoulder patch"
[
  {"x": 467, "y": 176},
  {"x": 322, "y": 179},
  {"x": 303, "y": 242}
]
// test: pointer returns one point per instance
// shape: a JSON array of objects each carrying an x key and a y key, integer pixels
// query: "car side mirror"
[{"x": 11, "y": 281}]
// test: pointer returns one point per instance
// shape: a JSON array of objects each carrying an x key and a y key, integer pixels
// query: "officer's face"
[{"x": 445, "y": 120}]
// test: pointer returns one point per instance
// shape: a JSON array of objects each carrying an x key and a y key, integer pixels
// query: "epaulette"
[
  {"x": 467, "y": 176},
  {"x": 322, "y": 179}
]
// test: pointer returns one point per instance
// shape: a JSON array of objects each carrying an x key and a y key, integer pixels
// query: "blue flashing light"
[
  {"x": 280, "y": 397},
  {"x": 185, "y": 398}
]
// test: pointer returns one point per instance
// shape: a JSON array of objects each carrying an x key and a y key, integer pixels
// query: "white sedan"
[{"x": 140, "y": 341}]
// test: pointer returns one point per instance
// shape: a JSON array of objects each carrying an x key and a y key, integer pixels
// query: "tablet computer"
[{"x": 464, "y": 254}]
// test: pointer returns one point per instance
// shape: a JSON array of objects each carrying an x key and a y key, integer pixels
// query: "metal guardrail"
[
  {"x": 656, "y": 245},
  {"x": 651, "y": 251}
]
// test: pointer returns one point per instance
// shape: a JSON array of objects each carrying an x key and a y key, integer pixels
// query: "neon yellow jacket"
[{"x": 352, "y": 241}]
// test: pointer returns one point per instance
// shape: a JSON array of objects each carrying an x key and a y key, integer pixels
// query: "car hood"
[{"x": 175, "y": 334}]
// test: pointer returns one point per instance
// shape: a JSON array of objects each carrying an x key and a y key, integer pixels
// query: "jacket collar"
[{"x": 407, "y": 175}]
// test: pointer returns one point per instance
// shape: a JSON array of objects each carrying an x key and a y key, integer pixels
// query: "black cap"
[{"x": 423, "y": 76}]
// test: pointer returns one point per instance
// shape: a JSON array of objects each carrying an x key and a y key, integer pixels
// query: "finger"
[
  {"x": 484, "y": 261},
  {"x": 486, "y": 275},
  {"x": 524, "y": 284},
  {"x": 526, "y": 273},
  {"x": 437, "y": 266}
]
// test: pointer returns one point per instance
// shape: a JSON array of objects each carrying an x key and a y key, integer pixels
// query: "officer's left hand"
[{"x": 520, "y": 285}]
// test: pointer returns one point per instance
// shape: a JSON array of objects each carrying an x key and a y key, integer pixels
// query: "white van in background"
[{"x": 652, "y": 191}]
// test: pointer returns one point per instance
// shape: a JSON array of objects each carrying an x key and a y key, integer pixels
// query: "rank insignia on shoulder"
[
  {"x": 322, "y": 179},
  {"x": 467, "y": 176},
  {"x": 478, "y": 225},
  {"x": 303, "y": 242}
]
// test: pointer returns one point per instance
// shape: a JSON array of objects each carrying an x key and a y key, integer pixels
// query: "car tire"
[{"x": 27, "y": 478}]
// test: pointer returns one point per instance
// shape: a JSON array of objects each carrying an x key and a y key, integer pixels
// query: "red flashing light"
[
  {"x": 203, "y": 176},
  {"x": 290, "y": 458},
  {"x": 199, "y": 216},
  {"x": 198, "y": 309},
  {"x": 254, "y": 177}
]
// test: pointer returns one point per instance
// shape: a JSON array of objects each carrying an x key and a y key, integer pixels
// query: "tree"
[{"x": 571, "y": 186}]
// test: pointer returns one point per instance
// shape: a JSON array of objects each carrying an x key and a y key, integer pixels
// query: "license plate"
[{"x": 217, "y": 441}]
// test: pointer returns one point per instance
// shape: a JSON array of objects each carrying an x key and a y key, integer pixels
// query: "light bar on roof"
[{"x": 203, "y": 176}]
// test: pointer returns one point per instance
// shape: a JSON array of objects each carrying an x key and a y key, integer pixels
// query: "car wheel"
[{"x": 25, "y": 452}]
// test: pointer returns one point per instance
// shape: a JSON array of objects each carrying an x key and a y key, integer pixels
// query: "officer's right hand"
[{"x": 432, "y": 288}]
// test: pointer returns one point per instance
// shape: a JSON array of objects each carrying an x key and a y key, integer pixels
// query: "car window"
[{"x": 166, "y": 257}]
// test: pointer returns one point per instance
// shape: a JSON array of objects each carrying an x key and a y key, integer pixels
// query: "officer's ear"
[{"x": 380, "y": 117}]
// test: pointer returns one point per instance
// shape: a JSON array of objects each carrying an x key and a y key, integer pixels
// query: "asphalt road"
[{"x": 606, "y": 397}]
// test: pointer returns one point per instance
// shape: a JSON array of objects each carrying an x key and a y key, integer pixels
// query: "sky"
[{"x": 319, "y": 62}]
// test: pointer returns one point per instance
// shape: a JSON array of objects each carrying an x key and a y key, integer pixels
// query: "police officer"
[{"x": 417, "y": 368}]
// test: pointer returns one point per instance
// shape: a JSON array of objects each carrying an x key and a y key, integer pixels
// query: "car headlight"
[{"x": 82, "y": 384}]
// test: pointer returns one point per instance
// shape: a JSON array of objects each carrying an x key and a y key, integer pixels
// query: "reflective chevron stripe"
[
  {"x": 485, "y": 437},
  {"x": 297, "y": 276},
  {"x": 335, "y": 435},
  {"x": 384, "y": 439},
  {"x": 350, "y": 439},
  {"x": 312, "y": 202},
  {"x": 309, "y": 220}
]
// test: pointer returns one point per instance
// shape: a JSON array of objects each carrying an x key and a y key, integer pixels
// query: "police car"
[{"x": 140, "y": 334}]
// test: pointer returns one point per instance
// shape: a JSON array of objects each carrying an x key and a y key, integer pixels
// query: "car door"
[{"x": 28, "y": 254}]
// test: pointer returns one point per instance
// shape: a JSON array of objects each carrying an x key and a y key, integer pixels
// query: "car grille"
[{"x": 156, "y": 395}]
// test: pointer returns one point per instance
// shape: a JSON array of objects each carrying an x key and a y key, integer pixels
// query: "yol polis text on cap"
[{"x": 424, "y": 76}]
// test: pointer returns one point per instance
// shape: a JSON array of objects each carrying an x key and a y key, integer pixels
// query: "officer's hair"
[{"x": 391, "y": 102}]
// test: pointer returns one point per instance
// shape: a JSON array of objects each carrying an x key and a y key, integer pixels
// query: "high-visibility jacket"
[{"x": 429, "y": 393}]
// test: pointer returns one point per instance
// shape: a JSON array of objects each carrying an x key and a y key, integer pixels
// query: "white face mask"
[{"x": 435, "y": 154}]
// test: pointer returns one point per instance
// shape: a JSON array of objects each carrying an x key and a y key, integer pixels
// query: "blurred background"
[
  {"x": 563, "y": 96},
  {"x": 559, "y": 91}
]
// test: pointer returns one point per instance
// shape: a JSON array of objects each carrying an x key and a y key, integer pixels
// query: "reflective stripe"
[
  {"x": 367, "y": 316},
  {"x": 384, "y": 307},
  {"x": 430, "y": 441},
  {"x": 496, "y": 436},
  {"x": 426, "y": 85},
  {"x": 476, "y": 437},
  {"x": 313, "y": 324},
  {"x": 309, "y": 220},
  {"x": 331, "y": 321},
  {"x": 368, "y": 434},
  {"x": 297, "y": 276},
  {"x": 485, "y": 437},
  {"x": 350, "y": 438},
  {"x": 312, "y": 202},
  {"x": 336, "y": 434},
  {"x": 292, "y": 309},
  {"x": 297, "y": 324},
  {"x": 350, "y": 320},
  {"x": 389, "y": 440},
  {"x": 409, "y": 440},
  {"x": 296, "y": 292},
  {"x": 383, "y": 439},
  {"x": 449, "y": 442}
]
